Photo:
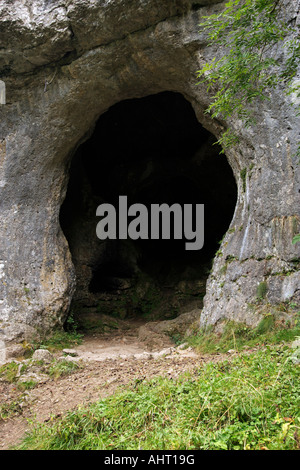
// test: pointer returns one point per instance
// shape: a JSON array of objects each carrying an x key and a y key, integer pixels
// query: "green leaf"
[{"x": 296, "y": 239}]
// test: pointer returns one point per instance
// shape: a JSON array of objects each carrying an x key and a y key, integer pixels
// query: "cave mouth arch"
[{"x": 153, "y": 150}]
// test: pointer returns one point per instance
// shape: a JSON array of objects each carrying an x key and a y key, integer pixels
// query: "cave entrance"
[{"x": 153, "y": 150}]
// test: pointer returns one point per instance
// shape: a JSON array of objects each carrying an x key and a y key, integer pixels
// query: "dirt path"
[{"x": 109, "y": 361}]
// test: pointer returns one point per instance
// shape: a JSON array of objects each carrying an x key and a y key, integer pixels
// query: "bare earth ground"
[{"x": 109, "y": 361}]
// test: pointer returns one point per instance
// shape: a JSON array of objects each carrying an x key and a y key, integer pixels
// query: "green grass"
[
  {"x": 62, "y": 368},
  {"x": 59, "y": 340},
  {"x": 9, "y": 371},
  {"x": 250, "y": 402},
  {"x": 247, "y": 401},
  {"x": 8, "y": 410},
  {"x": 239, "y": 336},
  {"x": 28, "y": 385}
]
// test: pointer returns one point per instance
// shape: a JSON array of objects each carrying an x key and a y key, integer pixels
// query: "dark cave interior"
[{"x": 153, "y": 150}]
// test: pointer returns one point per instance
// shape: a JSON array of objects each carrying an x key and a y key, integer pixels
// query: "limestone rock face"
[{"x": 64, "y": 64}]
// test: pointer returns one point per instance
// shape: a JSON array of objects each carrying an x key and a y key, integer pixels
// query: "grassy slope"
[{"x": 248, "y": 402}]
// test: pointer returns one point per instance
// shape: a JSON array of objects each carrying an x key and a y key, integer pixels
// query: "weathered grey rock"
[
  {"x": 2, "y": 352},
  {"x": 182, "y": 346},
  {"x": 67, "y": 359},
  {"x": 42, "y": 355},
  {"x": 13, "y": 351},
  {"x": 231, "y": 351},
  {"x": 163, "y": 353},
  {"x": 152, "y": 339},
  {"x": 70, "y": 352},
  {"x": 295, "y": 356},
  {"x": 158, "y": 334},
  {"x": 145, "y": 355},
  {"x": 66, "y": 64},
  {"x": 296, "y": 344},
  {"x": 178, "y": 325},
  {"x": 33, "y": 377}
]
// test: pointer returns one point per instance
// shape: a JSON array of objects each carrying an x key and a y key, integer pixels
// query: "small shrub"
[
  {"x": 261, "y": 290},
  {"x": 7, "y": 410},
  {"x": 9, "y": 371},
  {"x": 59, "y": 340},
  {"x": 62, "y": 368},
  {"x": 28, "y": 385},
  {"x": 265, "y": 325}
]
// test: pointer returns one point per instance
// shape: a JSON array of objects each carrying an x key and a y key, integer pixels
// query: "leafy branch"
[
  {"x": 296, "y": 239},
  {"x": 249, "y": 28}
]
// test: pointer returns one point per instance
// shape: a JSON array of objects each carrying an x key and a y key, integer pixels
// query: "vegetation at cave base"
[
  {"x": 239, "y": 336},
  {"x": 246, "y": 401},
  {"x": 251, "y": 402}
]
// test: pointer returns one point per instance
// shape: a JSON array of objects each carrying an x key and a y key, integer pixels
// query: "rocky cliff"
[{"x": 64, "y": 64}]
